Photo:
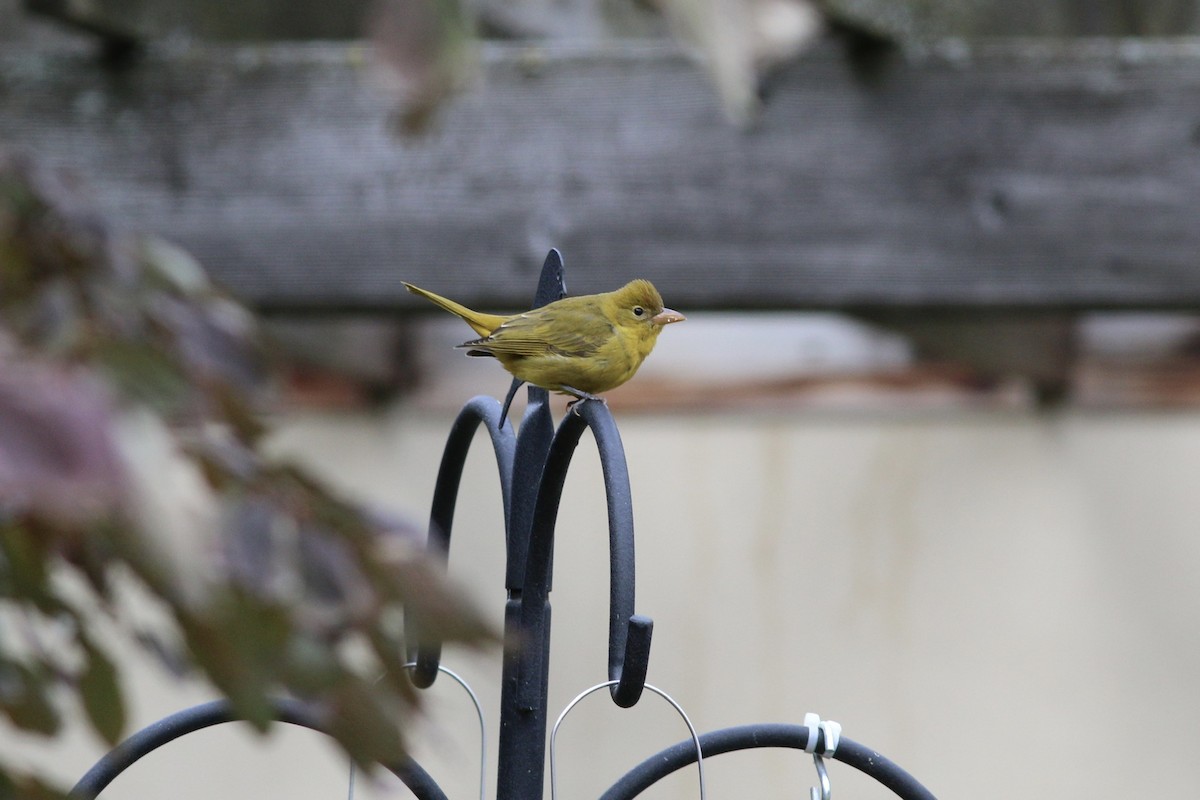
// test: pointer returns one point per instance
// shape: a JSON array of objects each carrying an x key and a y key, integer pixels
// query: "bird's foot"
[{"x": 580, "y": 396}]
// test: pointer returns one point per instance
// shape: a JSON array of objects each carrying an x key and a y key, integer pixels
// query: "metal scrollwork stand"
[{"x": 533, "y": 467}]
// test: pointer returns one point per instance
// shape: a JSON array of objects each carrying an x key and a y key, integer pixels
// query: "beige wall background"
[{"x": 1004, "y": 603}]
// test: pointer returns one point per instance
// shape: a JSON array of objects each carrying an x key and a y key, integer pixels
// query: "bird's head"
[{"x": 638, "y": 306}]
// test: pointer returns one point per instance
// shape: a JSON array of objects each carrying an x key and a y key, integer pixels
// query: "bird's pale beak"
[{"x": 667, "y": 316}]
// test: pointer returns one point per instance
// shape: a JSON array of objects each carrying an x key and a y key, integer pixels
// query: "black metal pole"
[
  {"x": 522, "y": 747},
  {"x": 520, "y": 772}
]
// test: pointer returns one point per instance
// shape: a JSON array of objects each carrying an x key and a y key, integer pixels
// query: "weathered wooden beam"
[
  {"x": 145, "y": 20},
  {"x": 1004, "y": 176}
]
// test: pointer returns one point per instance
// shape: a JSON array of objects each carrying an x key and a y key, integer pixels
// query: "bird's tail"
[{"x": 483, "y": 324}]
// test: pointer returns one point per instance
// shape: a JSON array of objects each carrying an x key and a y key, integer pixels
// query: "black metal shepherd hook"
[{"x": 533, "y": 466}]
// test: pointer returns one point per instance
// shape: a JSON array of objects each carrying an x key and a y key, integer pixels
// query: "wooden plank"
[
  {"x": 143, "y": 20},
  {"x": 1005, "y": 176}
]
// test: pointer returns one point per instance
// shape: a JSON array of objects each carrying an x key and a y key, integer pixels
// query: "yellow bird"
[{"x": 581, "y": 346}]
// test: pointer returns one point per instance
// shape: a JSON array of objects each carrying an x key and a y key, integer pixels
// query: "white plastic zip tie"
[
  {"x": 833, "y": 735},
  {"x": 831, "y": 729}
]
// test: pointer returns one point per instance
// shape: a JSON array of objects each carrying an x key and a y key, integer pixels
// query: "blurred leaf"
[
  {"x": 23, "y": 569},
  {"x": 424, "y": 51},
  {"x": 25, "y": 698},
  {"x": 330, "y": 575},
  {"x": 225, "y": 458},
  {"x": 436, "y": 606},
  {"x": 57, "y": 458},
  {"x": 100, "y": 689},
  {"x": 364, "y": 719},
  {"x": 738, "y": 41},
  {"x": 93, "y": 555},
  {"x": 240, "y": 413},
  {"x": 15, "y": 785},
  {"x": 172, "y": 510},
  {"x": 130, "y": 399},
  {"x": 389, "y": 650},
  {"x": 174, "y": 266},
  {"x": 168, "y": 653},
  {"x": 900, "y": 20},
  {"x": 252, "y": 531},
  {"x": 241, "y": 644},
  {"x": 142, "y": 372},
  {"x": 51, "y": 317},
  {"x": 311, "y": 666},
  {"x": 50, "y": 232},
  {"x": 211, "y": 340}
]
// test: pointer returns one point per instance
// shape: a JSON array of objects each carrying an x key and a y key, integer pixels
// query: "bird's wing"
[{"x": 533, "y": 334}]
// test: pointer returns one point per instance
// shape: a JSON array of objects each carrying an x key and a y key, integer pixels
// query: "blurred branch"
[
  {"x": 130, "y": 394},
  {"x": 423, "y": 53},
  {"x": 120, "y": 26}
]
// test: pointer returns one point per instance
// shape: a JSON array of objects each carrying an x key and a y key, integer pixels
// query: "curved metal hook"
[
  {"x": 822, "y": 779},
  {"x": 629, "y": 634},
  {"x": 747, "y": 737},
  {"x": 482, "y": 731},
  {"x": 609, "y": 684},
  {"x": 482, "y": 725},
  {"x": 219, "y": 712},
  {"x": 481, "y": 410}
]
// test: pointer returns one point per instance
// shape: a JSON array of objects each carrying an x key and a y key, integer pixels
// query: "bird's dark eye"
[{"x": 638, "y": 311}]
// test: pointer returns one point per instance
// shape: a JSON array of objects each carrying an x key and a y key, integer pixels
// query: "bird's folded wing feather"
[{"x": 532, "y": 335}]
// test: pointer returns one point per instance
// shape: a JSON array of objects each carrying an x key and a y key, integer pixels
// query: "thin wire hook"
[
  {"x": 482, "y": 731},
  {"x": 823, "y": 778},
  {"x": 827, "y": 734},
  {"x": 678, "y": 708}
]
